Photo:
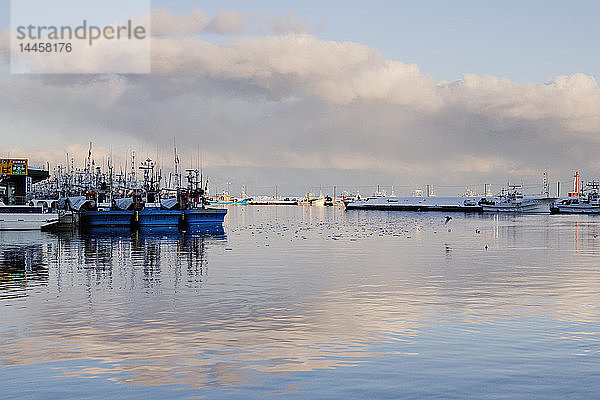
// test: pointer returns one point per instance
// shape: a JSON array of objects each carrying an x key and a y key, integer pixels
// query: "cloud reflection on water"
[{"x": 150, "y": 309}]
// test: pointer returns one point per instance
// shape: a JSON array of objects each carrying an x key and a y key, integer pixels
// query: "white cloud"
[
  {"x": 297, "y": 101},
  {"x": 167, "y": 23},
  {"x": 164, "y": 22}
]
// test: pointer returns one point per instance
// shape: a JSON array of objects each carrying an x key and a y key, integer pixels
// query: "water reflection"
[
  {"x": 296, "y": 290},
  {"x": 22, "y": 266}
]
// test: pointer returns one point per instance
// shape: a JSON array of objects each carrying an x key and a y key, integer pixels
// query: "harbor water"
[{"x": 306, "y": 303}]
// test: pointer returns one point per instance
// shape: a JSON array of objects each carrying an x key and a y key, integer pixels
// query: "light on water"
[{"x": 306, "y": 302}]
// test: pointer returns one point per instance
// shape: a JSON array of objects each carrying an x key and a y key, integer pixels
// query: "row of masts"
[{"x": 67, "y": 181}]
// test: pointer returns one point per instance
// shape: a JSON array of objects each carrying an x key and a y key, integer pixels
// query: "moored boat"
[
  {"x": 589, "y": 204},
  {"x": 154, "y": 215},
  {"x": 197, "y": 216},
  {"x": 513, "y": 201},
  {"x": 23, "y": 217},
  {"x": 578, "y": 202}
]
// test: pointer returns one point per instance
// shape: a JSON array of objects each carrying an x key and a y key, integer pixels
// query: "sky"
[{"x": 314, "y": 94}]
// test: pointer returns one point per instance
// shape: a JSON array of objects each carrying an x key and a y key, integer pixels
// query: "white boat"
[
  {"x": 17, "y": 218},
  {"x": 513, "y": 201},
  {"x": 577, "y": 202},
  {"x": 311, "y": 200},
  {"x": 589, "y": 204}
]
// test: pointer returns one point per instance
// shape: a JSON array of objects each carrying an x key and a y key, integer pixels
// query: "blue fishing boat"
[
  {"x": 196, "y": 216},
  {"x": 105, "y": 213},
  {"x": 155, "y": 212},
  {"x": 107, "y": 218},
  {"x": 155, "y": 216},
  {"x": 204, "y": 216}
]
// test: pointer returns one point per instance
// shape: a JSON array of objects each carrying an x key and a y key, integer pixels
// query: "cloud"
[
  {"x": 289, "y": 23},
  {"x": 295, "y": 101},
  {"x": 165, "y": 22},
  {"x": 225, "y": 22},
  {"x": 294, "y": 64}
]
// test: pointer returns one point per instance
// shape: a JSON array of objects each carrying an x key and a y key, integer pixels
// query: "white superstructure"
[{"x": 17, "y": 218}]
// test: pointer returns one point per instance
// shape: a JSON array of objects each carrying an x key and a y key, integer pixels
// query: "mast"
[
  {"x": 133, "y": 181},
  {"x": 177, "y": 180}
]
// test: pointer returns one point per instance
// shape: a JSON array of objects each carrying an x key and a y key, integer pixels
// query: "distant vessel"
[
  {"x": 513, "y": 201},
  {"x": 578, "y": 202},
  {"x": 311, "y": 200},
  {"x": 589, "y": 204},
  {"x": 223, "y": 199}
]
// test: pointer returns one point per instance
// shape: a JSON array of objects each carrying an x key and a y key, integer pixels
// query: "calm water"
[{"x": 306, "y": 303}]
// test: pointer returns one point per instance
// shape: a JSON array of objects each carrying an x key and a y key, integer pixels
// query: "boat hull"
[
  {"x": 204, "y": 216},
  {"x": 528, "y": 206},
  {"x": 112, "y": 218},
  {"x": 27, "y": 221},
  {"x": 157, "y": 218},
  {"x": 576, "y": 209}
]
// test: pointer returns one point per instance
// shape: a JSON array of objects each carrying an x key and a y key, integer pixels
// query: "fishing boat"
[
  {"x": 513, "y": 201},
  {"x": 155, "y": 215},
  {"x": 578, "y": 202},
  {"x": 311, "y": 200},
  {"x": 195, "y": 215},
  {"x": 106, "y": 214},
  {"x": 150, "y": 210},
  {"x": 223, "y": 199},
  {"x": 198, "y": 215},
  {"x": 589, "y": 204}
]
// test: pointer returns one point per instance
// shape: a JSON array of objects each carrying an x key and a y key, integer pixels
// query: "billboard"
[{"x": 11, "y": 166}]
